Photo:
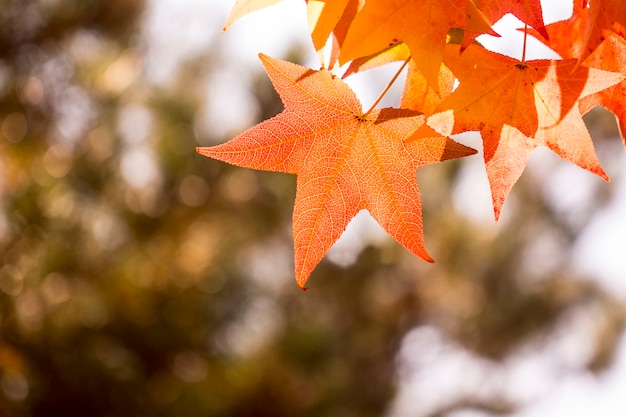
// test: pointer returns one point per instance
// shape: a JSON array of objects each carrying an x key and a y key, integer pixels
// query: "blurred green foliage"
[{"x": 140, "y": 279}]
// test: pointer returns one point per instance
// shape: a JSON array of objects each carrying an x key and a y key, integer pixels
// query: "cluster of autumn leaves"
[{"x": 347, "y": 159}]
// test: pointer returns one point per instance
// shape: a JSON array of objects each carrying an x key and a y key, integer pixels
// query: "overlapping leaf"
[
  {"x": 603, "y": 15},
  {"x": 518, "y": 106},
  {"x": 609, "y": 55},
  {"x": 345, "y": 161},
  {"x": 323, "y": 16},
  {"x": 528, "y": 11},
  {"x": 422, "y": 24},
  {"x": 419, "y": 95},
  {"x": 243, "y": 7}
]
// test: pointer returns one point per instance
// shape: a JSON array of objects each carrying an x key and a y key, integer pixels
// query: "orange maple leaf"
[
  {"x": 580, "y": 35},
  {"x": 345, "y": 161},
  {"x": 603, "y": 15},
  {"x": 397, "y": 52},
  {"x": 419, "y": 95},
  {"x": 331, "y": 17},
  {"x": 528, "y": 11},
  {"x": 323, "y": 16},
  {"x": 518, "y": 106},
  {"x": 609, "y": 55},
  {"x": 476, "y": 22},
  {"x": 243, "y": 7},
  {"x": 422, "y": 25}
]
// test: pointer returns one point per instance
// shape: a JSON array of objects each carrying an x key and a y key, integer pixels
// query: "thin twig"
[{"x": 380, "y": 97}]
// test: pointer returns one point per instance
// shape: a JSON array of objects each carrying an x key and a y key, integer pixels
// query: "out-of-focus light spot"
[
  {"x": 57, "y": 202},
  {"x": 121, "y": 73},
  {"x": 229, "y": 109},
  {"x": 139, "y": 168},
  {"x": 4, "y": 226},
  {"x": 259, "y": 322},
  {"x": 14, "y": 127},
  {"x": 11, "y": 280},
  {"x": 134, "y": 123},
  {"x": 584, "y": 394},
  {"x": 149, "y": 200},
  {"x": 55, "y": 288},
  {"x": 29, "y": 310},
  {"x": 567, "y": 189},
  {"x": 193, "y": 191},
  {"x": 196, "y": 250},
  {"x": 108, "y": 230},
  {"x": 57, "y": 161},
  {"x": 240, "y": 185},
  {"x": 115, "y": 357},
  {"x": 92, "y": 310},
  {"x": 100, "y": 144},
  {"x": 599, "y": 249},
  {"x": 190, "y": 367},
  {"x": 88, "y": 47},
  {"x": 265, "y": 29},
  {"x": 543, "y": 254},
  {"x": 14, "y": 386},
  {"x": 32, "y": 91},
  {"x": 436, "y": 371},
  {"x": 269, "y": 264},
  {"x": 75, "y": 111},
  {"x": 178, "y": 29},
  {"x": 363, "y": 230}
]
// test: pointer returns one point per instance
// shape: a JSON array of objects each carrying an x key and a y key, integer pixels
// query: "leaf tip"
[
  {"x": 497, "y": 209},
  {"x": 263, "y": 57},
  {"x": 302, "y": 282},
  {"x": 599, "y": 171},
  {"x": 203, "y": 150}
]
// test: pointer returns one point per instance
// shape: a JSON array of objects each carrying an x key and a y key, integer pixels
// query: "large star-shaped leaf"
[{"x": 345, "y": 161}]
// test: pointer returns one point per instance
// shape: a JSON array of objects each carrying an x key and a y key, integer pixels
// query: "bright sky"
[{"x": 545, "y": 377}]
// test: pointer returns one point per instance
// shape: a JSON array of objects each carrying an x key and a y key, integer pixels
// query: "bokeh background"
[{"x": 138, "y": 278}]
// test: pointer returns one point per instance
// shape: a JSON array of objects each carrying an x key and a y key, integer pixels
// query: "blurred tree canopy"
[{"x": 140, "y": 279}]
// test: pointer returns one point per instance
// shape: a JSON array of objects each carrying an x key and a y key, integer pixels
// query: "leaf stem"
[{"x": 382, "y": 94}]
